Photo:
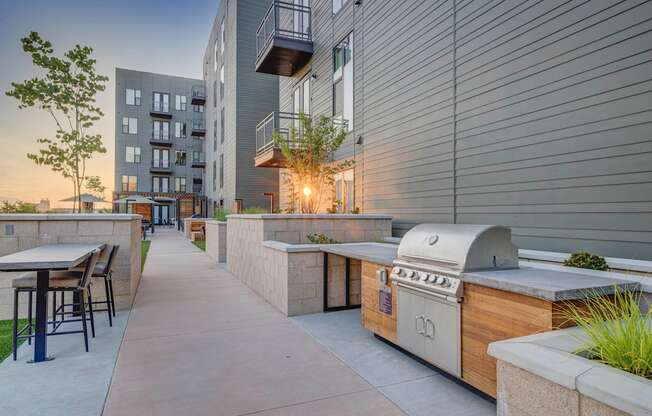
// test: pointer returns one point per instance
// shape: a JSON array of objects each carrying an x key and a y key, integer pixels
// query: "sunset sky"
[{"x": 157, "y": 36}]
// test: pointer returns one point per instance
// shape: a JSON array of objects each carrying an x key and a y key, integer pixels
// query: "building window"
[
  {"x": 133, "y": 97},
  {"x": 197, "y": 157},
  {"x": 180, "y": 102},
  {"x": 180, "y": 184},
  {"x": 343, "y": 83},
  {"x": 215, "y": 56},
  {"x": 161, "y": 102},
  {"x": 215, "y": 135},
  {"x": 222, "y": 126},
  {"x": 222, "y": 81},
  {"x": 337, "y": 5},
  {"x": 179, "y": 130},
  {"x": 132, "y": 154},
  {"x": 214, "y": 93},
  {"x": 160, "y": 184},
  {"x": 301, "y": 97},
  {"x": 221, "y": 171},
  {"x": 129, "y": 125},
  {"x": 161, "y": 130},
  {"x": 161, "y": 158},
  {"x": 198, "y": 108},
  {"x": 222, "y": 36},
  {"x": 180, "y": 159},
  {"x": 214, "y": 176},
  {"x": 344, "y": 195},
  {"x": 129, "y": 183}
]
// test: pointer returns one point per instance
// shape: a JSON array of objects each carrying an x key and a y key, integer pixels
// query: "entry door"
[
  {"x": 165, "y": 214},
  {"x": 157, "y": 215}
]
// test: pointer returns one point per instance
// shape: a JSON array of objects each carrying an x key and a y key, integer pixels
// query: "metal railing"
[
  {"x": 276, "y": 121},
  {"x": 282, "y": 123},
  {"x": 198, "y": 91},
  {"x": 198, "y": 125},
  {"x": 161, "y": 163},
  {"x": 287, "y": 20},
  {"x": 198, "y": 158}
]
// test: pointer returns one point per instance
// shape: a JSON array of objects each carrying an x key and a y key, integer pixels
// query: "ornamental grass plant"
[{"x": 615, "y": 331}]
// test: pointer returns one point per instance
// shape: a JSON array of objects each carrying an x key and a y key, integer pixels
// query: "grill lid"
[{"x": 459, "y": 247}]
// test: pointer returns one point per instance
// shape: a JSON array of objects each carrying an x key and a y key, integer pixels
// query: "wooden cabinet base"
[
  {"x": 373, "y": 319},
  {"x": 490, "y": 315}
]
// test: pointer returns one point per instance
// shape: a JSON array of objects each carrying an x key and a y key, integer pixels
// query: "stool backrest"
[
  {"x": 88, "y": 269},
  {"x": 109, "y": 262}
]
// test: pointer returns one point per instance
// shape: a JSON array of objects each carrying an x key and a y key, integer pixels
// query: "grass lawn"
[
  {"x": 144, "y": 249},
  {"x": 201, "y": 244},
  {"x": 5, "y": 337}
]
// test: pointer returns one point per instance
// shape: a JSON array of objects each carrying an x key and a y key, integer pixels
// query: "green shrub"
[
  {"x": 221, "y": 213},
  {"x": 584, "y": 260},
  {"x": 255, "y": 210},
  {"x": 616, "y": 332},
  {"x": 320, "y": 238}
]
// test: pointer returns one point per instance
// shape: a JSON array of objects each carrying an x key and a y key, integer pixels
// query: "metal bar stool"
[
  {"x": 63, "y": 281},
  {"x": 105, "y": 270}
]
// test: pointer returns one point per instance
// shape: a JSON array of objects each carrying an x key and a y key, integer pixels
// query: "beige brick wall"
[
  {"x": 521, "y": 393},
  {"x": 35, "y": 230},
  {"x": 292, "y": 280},
  {"x": 216, "y": 240}
]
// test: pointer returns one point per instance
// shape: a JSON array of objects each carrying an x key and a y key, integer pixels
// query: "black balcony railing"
[
  {"x": 284, "y": 38},
  {"x": 198, "y": 95},
  {"x": 276, "y": 121},
  {"x": 198, "y": 129}
]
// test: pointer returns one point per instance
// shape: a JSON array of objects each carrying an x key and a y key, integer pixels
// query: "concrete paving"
[
  {"x": 415, "y": 388},
  {"x": 74, "y": 384},
  {"x": 199, "y": 342}
]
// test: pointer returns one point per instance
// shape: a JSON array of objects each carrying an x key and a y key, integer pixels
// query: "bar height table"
[{"x": 42, "y": 260}]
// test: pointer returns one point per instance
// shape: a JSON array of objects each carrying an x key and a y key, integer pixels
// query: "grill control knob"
[
  {"x": 445, "y": 282},
  {"x": 410, "y": 274},
  {"x": 399, "y": 271},
  {"x": 432, "y": 278},
  {"x": 424, "y": 277},
  {"x": 440, "y": 280}
]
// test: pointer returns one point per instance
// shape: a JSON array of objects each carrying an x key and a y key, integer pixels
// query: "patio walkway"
[{"x": 199, "y": 342}]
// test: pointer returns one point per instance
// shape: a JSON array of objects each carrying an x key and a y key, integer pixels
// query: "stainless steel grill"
[{"x": 427, "y": 274}]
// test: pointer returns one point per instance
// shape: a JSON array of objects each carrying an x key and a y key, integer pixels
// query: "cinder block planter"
[
  {"x": 216, "y": 240},
  {"x": 539, "y": 376}
]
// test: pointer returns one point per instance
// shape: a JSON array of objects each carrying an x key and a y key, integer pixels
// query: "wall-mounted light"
[
  {"x": 358, "y": 2},
  {"x": 359, "y": 140},
  {"x": 313, "y": 76},
  {"x": 307, "y": 191}
]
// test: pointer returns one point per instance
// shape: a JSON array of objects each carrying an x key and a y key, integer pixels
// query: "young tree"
[
  {"x": 18, "y": 207},
  {"x": 95, "y": 187},
  {"x": 308, "y": 154},
  {"x": 67, "y": 92}
]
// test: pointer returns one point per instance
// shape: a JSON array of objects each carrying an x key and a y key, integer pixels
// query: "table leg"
[{"x": 40, "y": 333}]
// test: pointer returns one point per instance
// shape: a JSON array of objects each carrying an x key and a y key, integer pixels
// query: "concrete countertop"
[
  {"x": 552, "y": 285},
  {"x": 379, "y": 253},
  {"x": 529, "y": 279}
]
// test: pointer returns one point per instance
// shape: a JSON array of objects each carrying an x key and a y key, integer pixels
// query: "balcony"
[
  {"x": 161, "y": 166},
  {"x": 198, "y": 129},
  {"x": 284, "y": 39},
  {"x": 160, "y": 110},
  {"x": 268, "y": 154},
  {"x": 160, "y": 140},
  {"x": 198, "y": 95}
]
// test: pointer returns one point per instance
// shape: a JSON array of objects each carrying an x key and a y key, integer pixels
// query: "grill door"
[
  {"x": 410, "y": 322},
  {"x": 442, "y": 334}
]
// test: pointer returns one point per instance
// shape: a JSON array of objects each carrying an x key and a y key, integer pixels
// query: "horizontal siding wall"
[{"x": 532, "y": 114}]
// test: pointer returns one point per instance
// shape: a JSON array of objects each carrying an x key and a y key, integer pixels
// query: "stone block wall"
[
  {"x": 216, "y": 240},
  {"x": 521, "y": 393},
  {"x": 268, "y": 252},
  {"x": 23, "y": 231}
]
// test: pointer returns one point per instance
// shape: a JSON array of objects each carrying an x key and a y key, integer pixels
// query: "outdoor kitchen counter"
[
  {"x": 528, "y": 280},
  {"x": 545, "y": 284},
  {"x": 378, "y": 253}
]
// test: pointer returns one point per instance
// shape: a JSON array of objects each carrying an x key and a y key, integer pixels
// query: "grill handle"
[{"x": 432, "y": 324}]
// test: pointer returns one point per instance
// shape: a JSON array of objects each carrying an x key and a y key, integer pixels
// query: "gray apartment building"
[
  {"x": 237, "y": 99},
  {"x": 159, "y": 143},
  {"x": 532, "y": 114}
]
